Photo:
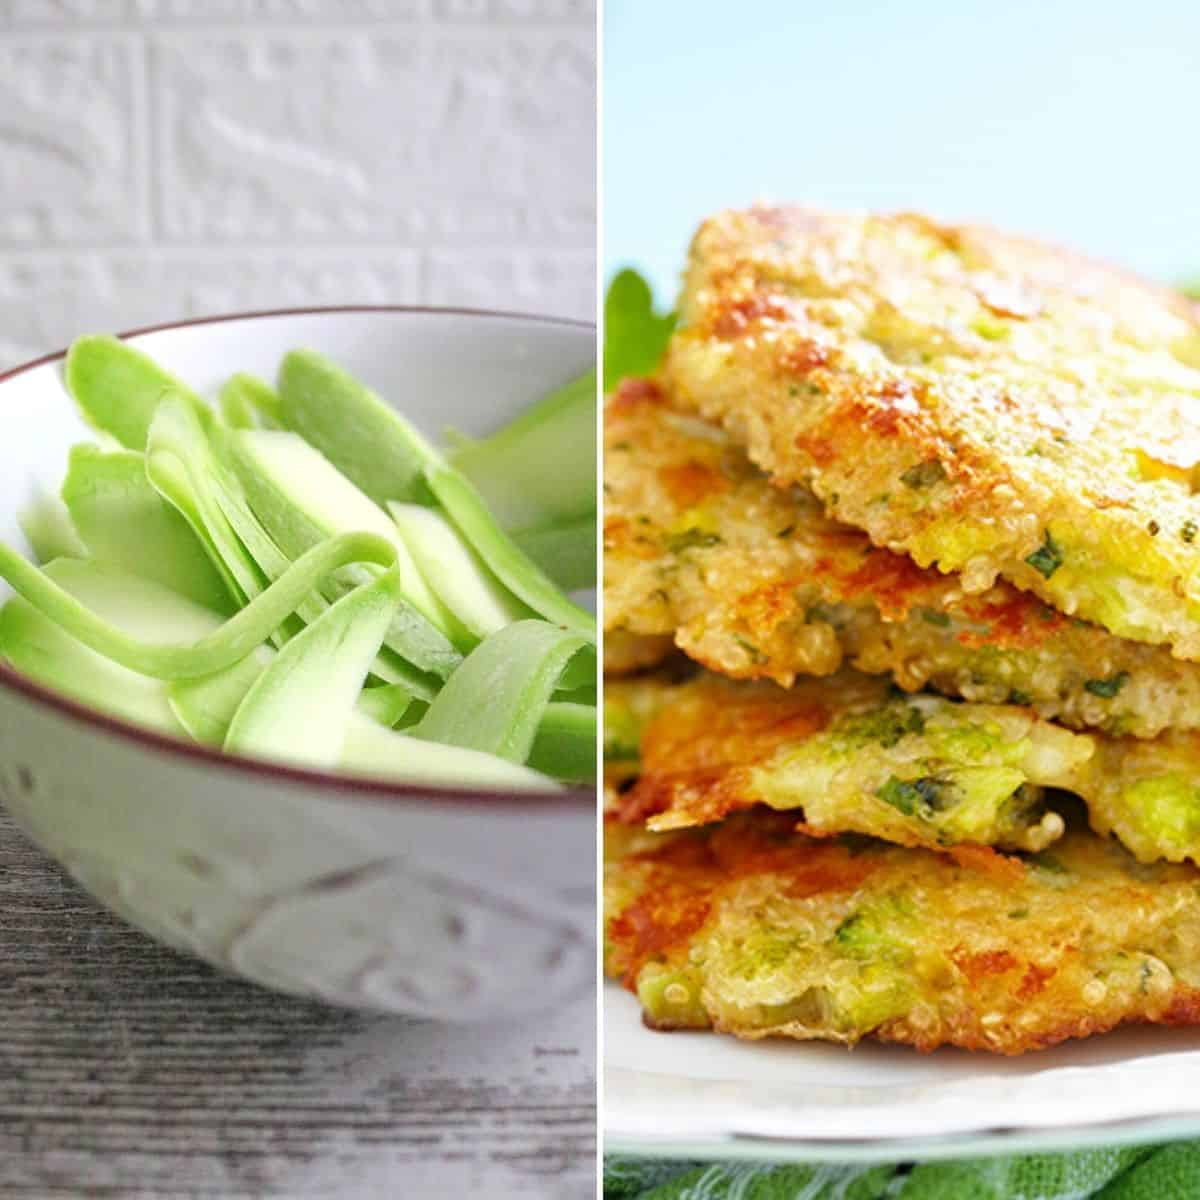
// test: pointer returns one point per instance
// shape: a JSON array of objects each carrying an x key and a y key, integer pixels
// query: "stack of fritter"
[{"x": 916, "y": 503}]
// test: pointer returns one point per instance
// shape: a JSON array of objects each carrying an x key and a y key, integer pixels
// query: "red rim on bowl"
[{"x": 159, "y": 743}]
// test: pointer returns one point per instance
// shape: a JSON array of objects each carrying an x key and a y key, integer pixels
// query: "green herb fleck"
[
  {"x": 756, "y": 655},
  {"x": 910, "y": 796},
  {"x": 1019, "y": 914},
  {"x": 1047, "y": 558},
  {"x": 886, "y": 726},
  {"x": 1144, "y": 977},
  {"x": 1019, "y": 697},
  {"x": 691, "y": 539},
  {"x": 786, "y": 532},
  {"x": 924, "y": 474},
  {"x": 1189, "y": 530},
  {"x": 933, "y": 617},
  {"x": 875, "y": 933},
  {"x": 850, "y": 930},
  {"x": 1107, "y": 688}
]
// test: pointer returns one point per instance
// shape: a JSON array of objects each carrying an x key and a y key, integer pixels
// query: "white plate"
[{"x": 708, "y": 1095}]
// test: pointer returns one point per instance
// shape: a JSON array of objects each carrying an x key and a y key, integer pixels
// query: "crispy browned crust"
[
  {"x": 758, "y": 931},
  {"x": 755, "y": 581},
  {"x": 1040, "y": 401}
]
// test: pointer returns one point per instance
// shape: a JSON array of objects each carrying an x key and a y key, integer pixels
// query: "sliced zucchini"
[
  {"x": 122, "y": 520},
  {"x": 369, "y": 442},
  {"x": 118, "y": 388},
  {"x": 466, "y": 509},
  {"x": 454, "y": 571},
  {"x": 300, "y": 499},
  {"x": 181, "y": 466},
  {"x": 249, "y": 403},
  {"x": 496, "y": 700},
  {"x": 565, "y": 744},
  {"x": 539, "y": 471},
  {"x": 370, "y": 749},
  {"x": 297, "y": 708}
]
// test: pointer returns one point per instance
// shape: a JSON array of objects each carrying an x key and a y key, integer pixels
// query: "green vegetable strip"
[
  {"x": 42, "y": 650},
  {"x": 386, "y": 457},
  {"x": 271, "y": 467},
  {"x": 181, "y": 465},
  {"x": 118, "y": 388},
  {"x": 580, "y": 673},
  {"x": 370, "y": 443},
  {"x": 455, "y": 573},
  {"x": 497, "y": 698},
  {"x": 249, "y": 403},
  {"x": 393, "y": 669},
  {"x": 565, "y": 744},
  {"x": 298, "y": 707},
  {"x": 386, "y": 704},
  {"x": 226, "y": 492},
  {"x": 540, "y": 469},
  {"x": 466, "y": 509},
  {"x": 47, "y": 527},
  {"x": 124, "y": 521},
  {"x": 236, "y": 638},
  {"x": 566, "y": 552},
  {"x": 370, "y": 749},
  {"x": 270, "y": 560},
  {"x": 206, "y": 707},
  {"x": 415, "y": 640}
]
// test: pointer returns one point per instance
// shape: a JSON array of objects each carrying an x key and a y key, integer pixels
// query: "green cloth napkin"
[{"x": 1120, "y": 1173}]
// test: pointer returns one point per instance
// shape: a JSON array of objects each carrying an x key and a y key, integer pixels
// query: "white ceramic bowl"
[{"x": 453, "y": 905}]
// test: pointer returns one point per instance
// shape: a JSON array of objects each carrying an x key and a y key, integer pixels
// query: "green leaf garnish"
[{"x": 635, "y": 336}]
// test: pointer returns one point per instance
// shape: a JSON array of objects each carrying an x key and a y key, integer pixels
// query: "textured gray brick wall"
[{"x": 169, "y": 158}]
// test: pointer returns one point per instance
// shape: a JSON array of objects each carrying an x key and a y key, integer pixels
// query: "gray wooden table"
[{"x": 127, "y": 1070}]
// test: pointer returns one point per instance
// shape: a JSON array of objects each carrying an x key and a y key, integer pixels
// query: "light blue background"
[{"x": 1073, "y": 121}]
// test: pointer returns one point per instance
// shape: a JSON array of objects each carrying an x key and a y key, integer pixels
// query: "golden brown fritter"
[
  {"x": 758, "y": 931},
  {"x": 974, "y": 400},
  {"x": 849, "y": 754},
  {"x": 755, "y": 581},
  {"x": 846, "y": 753}
]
